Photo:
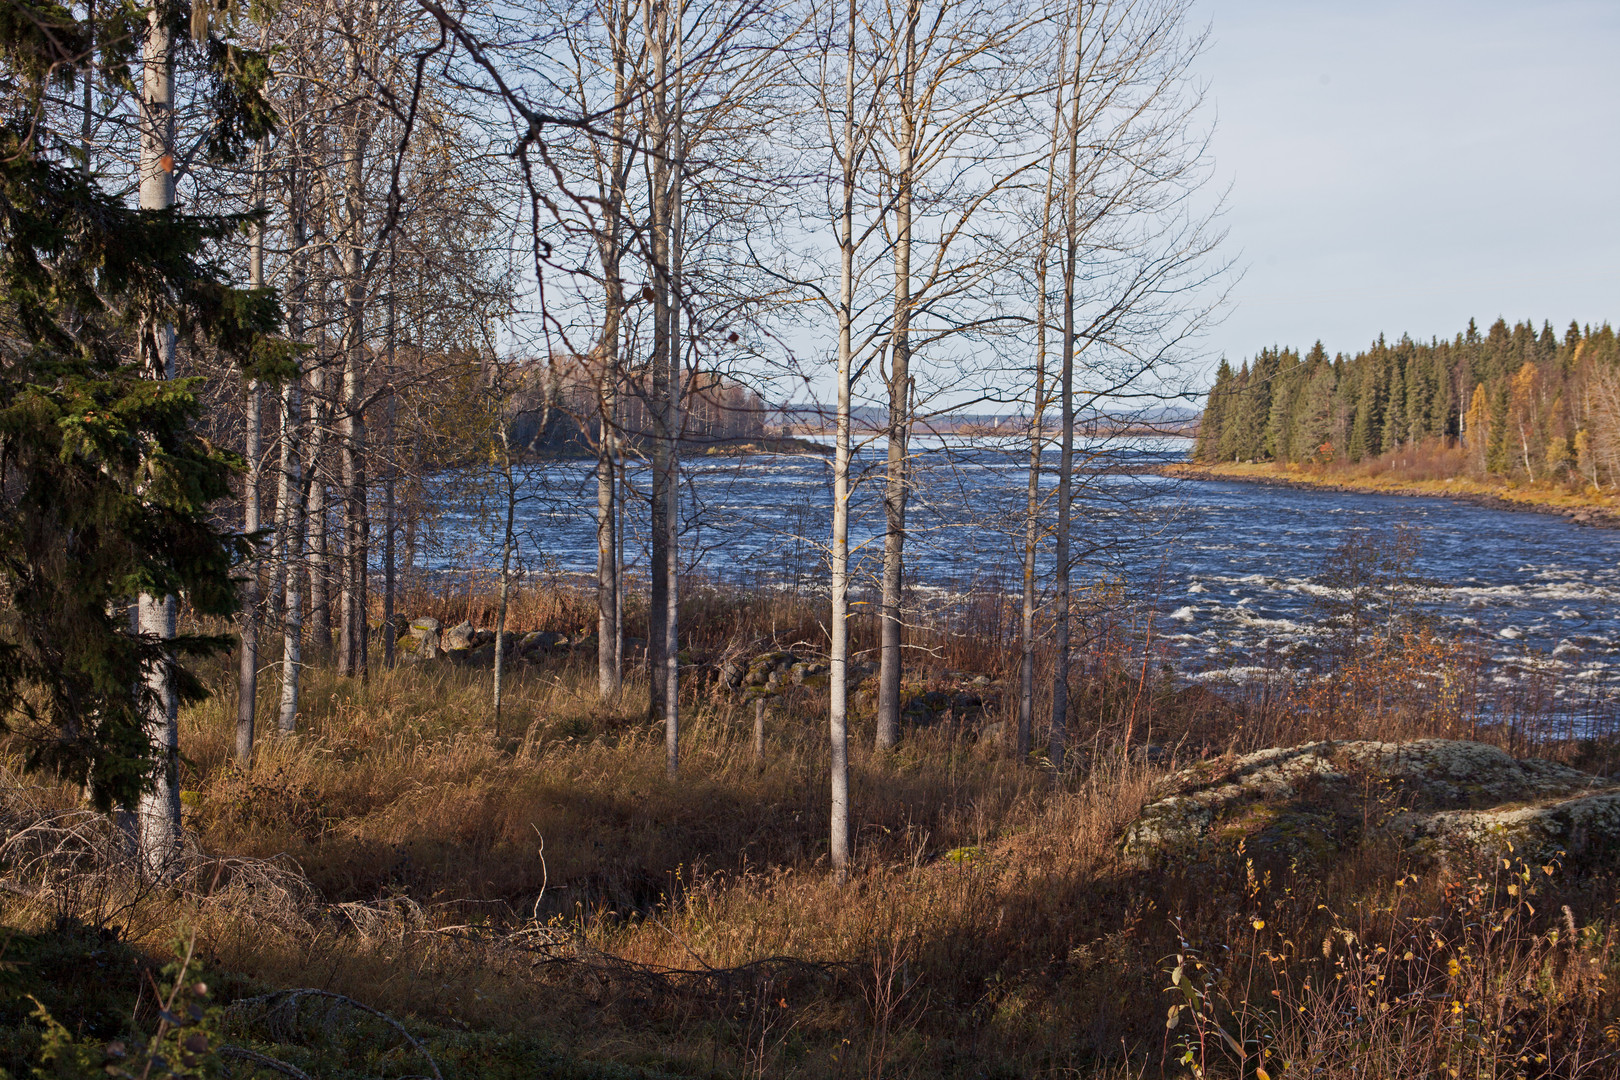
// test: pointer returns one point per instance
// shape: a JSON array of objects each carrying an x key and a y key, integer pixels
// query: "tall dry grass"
[{"x": 546, "y": 879}]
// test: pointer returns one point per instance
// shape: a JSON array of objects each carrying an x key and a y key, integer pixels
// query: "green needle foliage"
[{"x": 105, "y": 489}]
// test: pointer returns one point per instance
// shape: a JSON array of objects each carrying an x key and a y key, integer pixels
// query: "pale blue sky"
[{"x": 1400, "y": 167}]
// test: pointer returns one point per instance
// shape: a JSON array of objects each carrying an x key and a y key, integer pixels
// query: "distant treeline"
[{"x": 1520, "y": 402}]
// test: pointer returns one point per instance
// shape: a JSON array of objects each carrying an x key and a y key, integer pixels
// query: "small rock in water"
[
  {"x": 1567, "y": 648},
  {"x": 1511, "y": 633}
]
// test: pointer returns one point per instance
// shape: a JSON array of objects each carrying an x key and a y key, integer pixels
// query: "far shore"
[
  {"x": 1588, "y": 508},
  {"x": 755, "y": 446}
]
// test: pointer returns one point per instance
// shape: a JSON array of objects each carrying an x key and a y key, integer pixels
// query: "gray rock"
[
  {"x": 425, "y": 637},
  {"x": 762, "y": 667},
  {"x": 460, "y": 636},
  {"x": 541, "y": 640},
  {"x": 1441, "y": 797}
]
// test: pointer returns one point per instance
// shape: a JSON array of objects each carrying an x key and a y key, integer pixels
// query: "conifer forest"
[
  {"x": 647, "y": 539},
  {"x": 1520, "y": 403}
]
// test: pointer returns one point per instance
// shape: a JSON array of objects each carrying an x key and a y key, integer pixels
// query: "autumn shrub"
[{"x": 1449, "y": 975}]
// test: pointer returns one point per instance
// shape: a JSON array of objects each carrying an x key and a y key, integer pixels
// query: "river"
[{"x": 1234, "y": 570}]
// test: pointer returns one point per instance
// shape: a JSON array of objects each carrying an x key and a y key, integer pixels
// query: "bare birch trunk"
[
  {"x": 390, "y": 468},
  {"x": 891, "y": 664},
  {"x": 320, "y": 610},
  {"x": 352, "y": 620},
  {"x": 609, "y": 672},
  {"x": 247, "y": 676},
  {"x": 838, "y": 684},
  {"x": 291, "y": 495},
  {"x": 157, "y": 825},
  {"x": 507, "y": 543},
  {"x": 1037, "y": 441},
  {"x": 607, "y": 578},
  {"x": 672, "y": 509},
  {"x": 656, "y": 18},
  {"x": 1060, "y": 666},
  {"x": 623, "y": 489}
]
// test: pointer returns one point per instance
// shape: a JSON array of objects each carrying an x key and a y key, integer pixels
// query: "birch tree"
[
  {"x": 1136, "y": 256},
  {"x": 955, "y": 147}
]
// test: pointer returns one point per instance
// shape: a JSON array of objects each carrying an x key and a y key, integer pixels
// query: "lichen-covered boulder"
[
  {"x": 423, "y": 638},
  {"x": 541, "y": 641},
  {"x": 460, "y": 636},
  {"x": 1441, "y": 797}
]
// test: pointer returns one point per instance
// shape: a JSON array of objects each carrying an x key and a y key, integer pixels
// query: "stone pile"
[{"x": 465, "y": 644}]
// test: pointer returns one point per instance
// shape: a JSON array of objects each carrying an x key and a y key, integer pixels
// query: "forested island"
[{"x": 1513, "y": 404}]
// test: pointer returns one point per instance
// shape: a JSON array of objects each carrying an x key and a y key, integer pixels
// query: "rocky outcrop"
[{"x": 1442, "y": 798}]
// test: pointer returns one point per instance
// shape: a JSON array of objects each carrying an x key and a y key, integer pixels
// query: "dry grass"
[
  {"x": 1433, "y": 468},
  {"x": 989, "y": 927}
]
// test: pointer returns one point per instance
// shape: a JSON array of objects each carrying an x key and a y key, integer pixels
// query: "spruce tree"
[
  {"x": 107, "y": 490},
  {"x": 1313, "y": 419},
  {"x": 1285, "y": 386},
  {"x": 1498, "y": 444},
  {"x": 1207, "y": 447}
]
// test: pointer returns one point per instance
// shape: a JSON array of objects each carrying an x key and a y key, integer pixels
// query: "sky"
[{"x": 1400, "y": 167}]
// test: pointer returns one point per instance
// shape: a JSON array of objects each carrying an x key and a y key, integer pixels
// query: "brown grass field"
[{"x": 541, "y": 900}]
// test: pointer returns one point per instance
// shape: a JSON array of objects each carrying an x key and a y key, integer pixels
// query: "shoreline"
[{"x": 1459, "y": 490}]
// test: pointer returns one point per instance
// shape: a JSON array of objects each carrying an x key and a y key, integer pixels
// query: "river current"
[{"x": 1234, "y": 571}]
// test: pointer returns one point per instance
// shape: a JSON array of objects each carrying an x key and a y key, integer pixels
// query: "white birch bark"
[
  {"x": 1037, "y": 436},
  {"x": 891, "y": 664},
  {"x": 1057, "y": 742},
  {"x": 247, "y": 678},
  {"x": 157, "y": 824}
]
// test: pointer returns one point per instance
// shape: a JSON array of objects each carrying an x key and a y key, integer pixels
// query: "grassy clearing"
[{"x": 542, "y": 898}]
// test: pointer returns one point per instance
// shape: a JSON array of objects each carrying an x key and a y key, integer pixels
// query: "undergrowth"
[{"x": 541, "y": 898}]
